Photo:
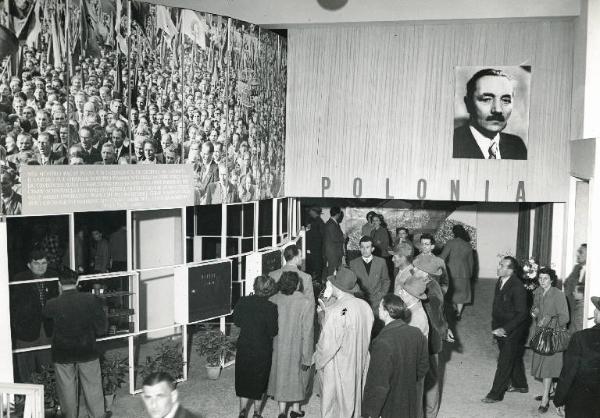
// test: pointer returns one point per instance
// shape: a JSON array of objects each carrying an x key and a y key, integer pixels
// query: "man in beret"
[{"x": 342, "y": 353}]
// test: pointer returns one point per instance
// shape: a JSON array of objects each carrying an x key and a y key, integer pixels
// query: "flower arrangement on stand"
[{"x": 530, "y": 274}]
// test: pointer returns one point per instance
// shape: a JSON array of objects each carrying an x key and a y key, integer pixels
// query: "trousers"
[
  {"x": 30, "y": 362},
  {"x": 70, "y": 377},
  {"x": 510, "y": 369},
  {"x": 432, "y": 388}
]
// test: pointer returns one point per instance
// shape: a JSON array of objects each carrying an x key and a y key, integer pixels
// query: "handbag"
[{"x": 550, "y": 338}]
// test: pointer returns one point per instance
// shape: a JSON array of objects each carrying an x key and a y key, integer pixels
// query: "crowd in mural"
[{"x": 143, "y": 84}]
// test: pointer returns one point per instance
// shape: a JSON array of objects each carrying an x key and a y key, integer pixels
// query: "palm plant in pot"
[
  {"x": 216, "y": 347},
  {"x": 114, "y": 369}
]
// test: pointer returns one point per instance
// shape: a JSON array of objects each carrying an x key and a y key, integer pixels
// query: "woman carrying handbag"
[{"x": 549, "y": 309}]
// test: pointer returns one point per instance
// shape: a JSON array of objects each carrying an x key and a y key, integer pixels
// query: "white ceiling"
[{"x": 286, "y": 13}]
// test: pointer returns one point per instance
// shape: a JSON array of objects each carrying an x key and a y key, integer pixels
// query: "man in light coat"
[{"x": 342, "y": 353}]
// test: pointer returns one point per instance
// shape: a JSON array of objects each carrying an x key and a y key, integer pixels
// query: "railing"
[{"x": 32, "y": 406}]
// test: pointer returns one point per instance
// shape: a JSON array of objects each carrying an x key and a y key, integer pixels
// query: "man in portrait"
[{"x": 489, "y": 101}]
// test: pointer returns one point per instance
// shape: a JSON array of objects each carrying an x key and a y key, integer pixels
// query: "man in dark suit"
[
  {"x": 90, "y": 154},
  {"x": 576, "y": 277},
  {"x": 161, "y": 398},
  {"x": 209, "y": 170},
  {"x": 489, "y": 98},
  {"x": 372, "y": 273},
  {"x": 510, "y": 322},
  {"x": 29, "y": 328},
  {"x": 78, "y": 320},
  {"x": 221, "y": 191},
  {"x": 398, "y": 360},
  {"x": 118, "y": 140},
  {"x": 314, "y": 242},
  {"x": 47, "y": 156},
  {"x": 579, "y": 382},
  {"x": 333, "y": 242}
]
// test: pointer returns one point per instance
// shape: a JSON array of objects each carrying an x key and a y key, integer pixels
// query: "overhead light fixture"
[{"x": 332, "y": 4}]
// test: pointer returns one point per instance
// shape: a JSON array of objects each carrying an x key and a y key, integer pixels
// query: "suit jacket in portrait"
[
  {"x": 207, "y": 175},
  {"x": 215, "y": 194},
  {"x": 333, "y": 245},
  {"x": 91, "y": 156},
  {"x": 509, "y": 309},
  {"x": 376, "y": 282},
  {"x": 512, "y": 147}
]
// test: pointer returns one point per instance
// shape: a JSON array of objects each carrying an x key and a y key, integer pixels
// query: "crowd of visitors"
[{"x": 215, "y": 100}]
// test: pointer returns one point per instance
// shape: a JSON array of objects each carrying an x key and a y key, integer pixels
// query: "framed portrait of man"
[{"x": 491, "y": 112}]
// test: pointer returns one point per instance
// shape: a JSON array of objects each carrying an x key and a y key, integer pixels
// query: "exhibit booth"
[{"x": 366, "y": 111}]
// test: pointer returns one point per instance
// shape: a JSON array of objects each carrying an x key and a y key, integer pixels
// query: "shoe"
[
  {"x": 540, "y": 397},
  {"x": 490, "y": 400},
  {"x": 282, "y": 416},
  {"x": 294, "y": 414},
  {"x": 458, "y": 317},
  {"x": 242, "y": 414},
  {"x": 518, "y": 390},
  {"x": 544, "y": 408}
]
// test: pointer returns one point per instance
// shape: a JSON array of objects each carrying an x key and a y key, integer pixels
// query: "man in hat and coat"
[
  {"x": 438, "y": 332},
  {"x": 315, "y": 228},
  {"x": 579, "y": 382},
  {"x": 399, "y": 361},
  {"x": 342, "y": 354}
]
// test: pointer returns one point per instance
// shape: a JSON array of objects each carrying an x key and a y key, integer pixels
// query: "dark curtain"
[
  {"x": 523, "y": 232},
  {"x": 542, "y": 234}
]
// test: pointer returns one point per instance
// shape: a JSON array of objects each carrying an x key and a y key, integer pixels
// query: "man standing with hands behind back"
[{"x": 509, "y": 327}]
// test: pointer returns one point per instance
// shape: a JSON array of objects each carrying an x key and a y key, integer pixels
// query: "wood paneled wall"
[{"x": 376, "y": 102}]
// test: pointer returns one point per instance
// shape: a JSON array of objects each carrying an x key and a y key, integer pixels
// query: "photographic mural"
[{"x": 107, "y": 82}]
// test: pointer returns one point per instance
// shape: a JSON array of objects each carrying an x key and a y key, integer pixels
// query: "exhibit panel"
[{"x": 379, "y": 122}]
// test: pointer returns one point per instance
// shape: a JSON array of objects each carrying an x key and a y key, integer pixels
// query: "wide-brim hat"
[
  {"x": 345, "y": 280},
  {"x": 416, "y": 286},
  {"x": 596, "y": 302},
  {"x": 427, "y": 266}
]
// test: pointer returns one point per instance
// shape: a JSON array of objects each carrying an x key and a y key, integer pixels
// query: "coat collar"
[{"x": 396, "y": 323}]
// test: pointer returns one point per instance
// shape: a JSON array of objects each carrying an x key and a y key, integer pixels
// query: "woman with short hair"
[
  {"x": 293, "y": 346},
  {"x": 257, "y": 318},
  {"x": 548, "y": 303}
]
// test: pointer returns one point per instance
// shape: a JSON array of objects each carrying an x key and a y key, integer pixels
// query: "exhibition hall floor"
[{"x": 468, "y": 377}]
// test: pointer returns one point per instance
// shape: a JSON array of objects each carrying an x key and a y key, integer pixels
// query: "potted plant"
[
  {"x": 114, "y": 369},
  {"x": 47, "y": 378},
  {"x": 215, "y": 346},
  {"x": 168, "y": 357}
]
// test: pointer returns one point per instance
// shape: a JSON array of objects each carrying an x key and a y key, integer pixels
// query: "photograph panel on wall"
[
  {"x": 98, "y": 81},
  {"x": 34, "y": 87},
  {"x": 491, "y": 112},
  {"x": 156, "y": 87}
]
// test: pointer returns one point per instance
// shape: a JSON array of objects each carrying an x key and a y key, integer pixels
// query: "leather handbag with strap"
[{"x": 550, "y": 338}]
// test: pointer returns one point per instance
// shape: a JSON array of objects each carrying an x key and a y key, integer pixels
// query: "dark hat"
[
  {"x": 344, "y": 279},
  {"x": 427, "y": 266},
  {"x": 416, "y": 286},
  {"x": 596, "y": 302}
]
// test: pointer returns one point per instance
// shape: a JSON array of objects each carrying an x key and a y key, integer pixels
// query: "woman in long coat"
[
  {"x": 458, "y": 255},
  {"x": 257, "y": 318},
  {"x": 293, "y": 346},
  {"x": 548, "y": 302}
]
